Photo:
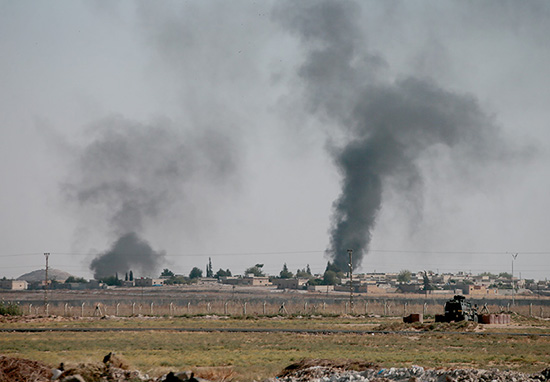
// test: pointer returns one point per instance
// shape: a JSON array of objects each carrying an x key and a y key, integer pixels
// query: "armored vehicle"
[{"x": 458, "y": 309}]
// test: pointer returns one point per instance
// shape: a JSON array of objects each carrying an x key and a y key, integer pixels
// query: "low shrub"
[{"x": 9, "y": 309}]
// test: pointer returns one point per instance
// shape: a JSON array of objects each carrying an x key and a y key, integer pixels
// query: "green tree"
[
  {"x": 256, "y": 270},
  {"x": 195, "y": 273},
  {"x": 285, "y": 273},
  {"x": 72, "y": 279},
  {"x": 111, "y": 280},
  {"x": 222, "y": 273},
  {"x": 404, "y": 276},
  {"x": 332, "y": 267},
  {"x": 167, "y": 273},
  {"x": 302, "y": 273},
  {"x": 176, "y": 280},
  {"x": 330, "y": 278},
  {"x": 505, "y": 275},
  {"x": 209, "y": 270},
  {"x": 427, "y": 283}
]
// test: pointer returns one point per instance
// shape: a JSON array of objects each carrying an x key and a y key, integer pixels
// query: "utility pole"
[
  {"x": 47, "y": 255},
  {"x": 350, "y": 253},
  {"x": 514, "y": 256}
]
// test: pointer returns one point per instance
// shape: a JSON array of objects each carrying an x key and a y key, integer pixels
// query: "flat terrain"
[
  {"x": 246, "y": 333},
  {"x": 257, "y": 355}
]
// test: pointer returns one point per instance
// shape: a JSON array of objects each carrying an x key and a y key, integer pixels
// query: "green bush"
[{"x": 10, "y": 309}]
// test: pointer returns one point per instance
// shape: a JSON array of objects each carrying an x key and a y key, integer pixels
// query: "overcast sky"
[{"x": 222, "y": 129}]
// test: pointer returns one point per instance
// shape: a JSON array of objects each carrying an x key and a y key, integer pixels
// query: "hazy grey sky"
[{"x": 220, "y": 129}]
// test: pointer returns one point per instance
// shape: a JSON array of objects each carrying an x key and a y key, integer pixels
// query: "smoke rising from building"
[
  {"x": 387, "y": 124},
  {"x": 131, "y": 174},
  {"x": 127, "y": 252}
]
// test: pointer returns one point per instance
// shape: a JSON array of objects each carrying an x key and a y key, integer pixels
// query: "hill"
[{"x": 40, "y": 274}]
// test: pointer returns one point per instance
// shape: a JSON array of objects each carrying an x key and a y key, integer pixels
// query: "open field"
[
  {"x": 255, "y": 356},
  {"x": 155, "y": 320}
]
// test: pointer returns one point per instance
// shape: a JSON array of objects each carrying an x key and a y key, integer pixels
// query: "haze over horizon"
[{"x": 274, "y": 132}]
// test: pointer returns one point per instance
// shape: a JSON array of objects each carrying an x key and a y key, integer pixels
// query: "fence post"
[
  {"x": 82, "y": 310},
  {"x": 225, "y": 310},
  {"x": 189, "y": 307},
  {"x": 30, "y": 308},
  {"x": 305, "y": 307},
  {"x": 244, "y": 308},
  {"x": 171, "y": 308},
  {"x": 208, "y": 307},
  {"x": 385, "y": 308},
  {"x": 541, "y": 313},
  {"x": 346, "y": 308},
  {"x": 405, "y": 309},
  {"x": 366, "y": 308},
  {"x": 66, "y": 308},
  {"x": 324, "y": 306},
  {"x": 47, "y": 309},
  {"x": 133, "y": 309},
  {"x": 424, "y": 309},
  {"x": 151, "y": 309},
  {"x": 117, "y": 306},
  {"x": 531, "y": 310},
  {"x": 264, "y": 308}
]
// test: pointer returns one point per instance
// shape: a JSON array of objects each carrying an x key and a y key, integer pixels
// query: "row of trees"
[{"x": 331, "y": 276}]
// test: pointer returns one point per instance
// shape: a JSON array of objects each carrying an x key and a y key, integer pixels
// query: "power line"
[{"x": 389, "y": 251}]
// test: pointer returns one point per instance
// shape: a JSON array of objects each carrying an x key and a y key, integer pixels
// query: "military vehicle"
[{"x": 458, "y": 309}]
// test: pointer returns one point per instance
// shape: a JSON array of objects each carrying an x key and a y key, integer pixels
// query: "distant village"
[{"x": 332, "y": 280}]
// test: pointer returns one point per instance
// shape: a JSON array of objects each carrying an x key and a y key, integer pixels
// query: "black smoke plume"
[
  {"x": 127, "y": 252},
  {"x": 387, "y": 124},
  {"x": 130, "y": 174}
]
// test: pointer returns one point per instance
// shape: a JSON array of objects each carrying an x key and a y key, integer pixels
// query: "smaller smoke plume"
[
  {"x": 128, "y": 252},
  {"x": 131, "y": 175}
]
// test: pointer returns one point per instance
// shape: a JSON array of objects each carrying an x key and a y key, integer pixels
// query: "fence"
[{"x": 258, "y": 308}]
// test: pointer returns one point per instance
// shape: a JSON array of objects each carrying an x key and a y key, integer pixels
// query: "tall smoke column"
[
  {"x": 387, "y": 124},
  {"x": 130, "y": 173}
]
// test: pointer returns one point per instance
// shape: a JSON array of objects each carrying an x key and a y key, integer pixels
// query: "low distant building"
[
  {"x": 255, "y": 280},
  {"x": 208, "y": 280},
  {"x": 479, "y": 290},
  {"x": 248, "y": 280},
  {"x": 410, "y": 288},
  {"x": 147, "y": 282},
  {"x": 321, "y": 288},
  {"x": 14, "y": 284},
  {"x": 371, "y": 289},
  {"x": 231, "y": 280},
  {"x": 450, "y": 292},
  {"x": 293, "y": 283}
]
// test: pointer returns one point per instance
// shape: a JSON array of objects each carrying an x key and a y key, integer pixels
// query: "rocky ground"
[
  {"x": 114, "y": 369},
  {"x": 326, "y": 371}
]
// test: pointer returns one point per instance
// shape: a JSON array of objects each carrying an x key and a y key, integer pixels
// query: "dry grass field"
[
  {"x": 256, "y": 355},
  {"x": 154, "y": 340}
]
